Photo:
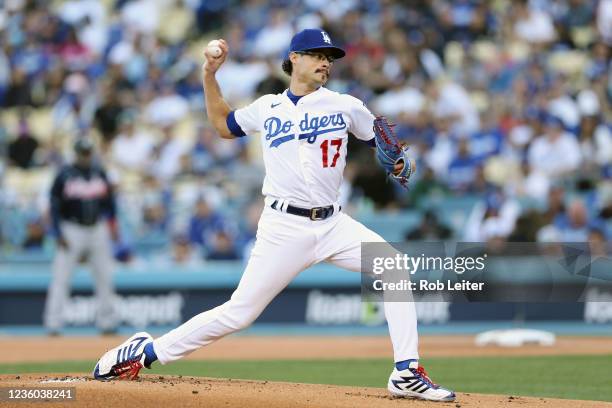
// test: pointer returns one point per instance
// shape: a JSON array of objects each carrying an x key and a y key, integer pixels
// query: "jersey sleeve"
[
  {"x": 362, "y": 120},
  {"x": 56, "y": 202},
  {"x": 233, "y": 126},
  {"x": 109, "y": 204},
  {"x": 244, "y": 121}
]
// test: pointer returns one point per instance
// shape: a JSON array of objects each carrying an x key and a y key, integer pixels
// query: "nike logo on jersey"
[
  {"x": 274, "y": 105},
  {"x": 310, "y": 128}
]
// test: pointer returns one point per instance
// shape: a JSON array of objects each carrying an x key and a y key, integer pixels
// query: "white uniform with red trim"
[{"x": 304, "y": 150}]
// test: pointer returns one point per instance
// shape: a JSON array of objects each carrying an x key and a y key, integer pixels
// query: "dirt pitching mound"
[{"x": 170, "y": 391}]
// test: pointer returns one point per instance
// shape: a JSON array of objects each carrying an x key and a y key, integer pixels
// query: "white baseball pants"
[
  {"x": 95, "y": 241},
  {"x": 287, "y": 244}
]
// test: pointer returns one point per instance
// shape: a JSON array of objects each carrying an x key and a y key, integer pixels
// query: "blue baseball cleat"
[{"x": 125, "y": 361}]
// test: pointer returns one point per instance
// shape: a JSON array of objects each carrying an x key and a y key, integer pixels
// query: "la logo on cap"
[{"x": 326, "y": 37}]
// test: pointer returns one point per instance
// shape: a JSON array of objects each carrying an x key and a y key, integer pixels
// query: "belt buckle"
[{"x": 313, "y": 214}]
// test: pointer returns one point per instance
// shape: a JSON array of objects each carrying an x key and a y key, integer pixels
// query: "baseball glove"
[{"x": 390, "y": 152}]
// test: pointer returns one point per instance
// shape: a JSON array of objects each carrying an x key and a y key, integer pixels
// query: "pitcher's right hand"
[{"x": 212, "y": 64}]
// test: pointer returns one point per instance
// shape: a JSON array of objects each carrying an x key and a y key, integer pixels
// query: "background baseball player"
[
  {"x": 83, "y": 221},
  {"x": 304, "y": 133}
]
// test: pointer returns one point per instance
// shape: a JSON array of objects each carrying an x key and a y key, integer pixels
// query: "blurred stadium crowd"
[{"x": 506, "y": 104}]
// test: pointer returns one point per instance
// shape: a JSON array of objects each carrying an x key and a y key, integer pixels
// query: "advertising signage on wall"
[{"x": 329, "y": 306}]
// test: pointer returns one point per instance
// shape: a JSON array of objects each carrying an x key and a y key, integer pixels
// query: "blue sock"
[
  {"x": 403, "y": 365},
  {"x": 150, "y": 356}
]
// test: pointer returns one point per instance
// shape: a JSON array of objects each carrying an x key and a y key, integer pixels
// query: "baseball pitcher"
[{"x": 304, "y": 133}]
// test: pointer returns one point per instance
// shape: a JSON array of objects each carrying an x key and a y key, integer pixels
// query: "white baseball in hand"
[{"x": 213, "y": 49}]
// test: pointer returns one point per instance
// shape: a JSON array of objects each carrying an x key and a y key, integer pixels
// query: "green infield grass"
[{"x": 573, "y": 377}]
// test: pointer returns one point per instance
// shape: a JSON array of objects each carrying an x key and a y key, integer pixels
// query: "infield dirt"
[
  {"x": 45, "y": 349},
  {"x": 171, "y": 391}
]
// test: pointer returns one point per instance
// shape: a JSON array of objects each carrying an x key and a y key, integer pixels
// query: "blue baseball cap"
[{"x": 315, "y": 39}]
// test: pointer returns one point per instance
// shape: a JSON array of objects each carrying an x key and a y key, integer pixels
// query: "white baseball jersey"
[{"x": 304, "y": 145}]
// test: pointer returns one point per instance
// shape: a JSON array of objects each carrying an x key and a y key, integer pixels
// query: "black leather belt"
[
  {"x": 315, "y": 214},
  {"x": 84, "y": 223}
]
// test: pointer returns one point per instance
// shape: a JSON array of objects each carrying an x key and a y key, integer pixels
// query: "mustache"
[{"x": 325, "y": 71}]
